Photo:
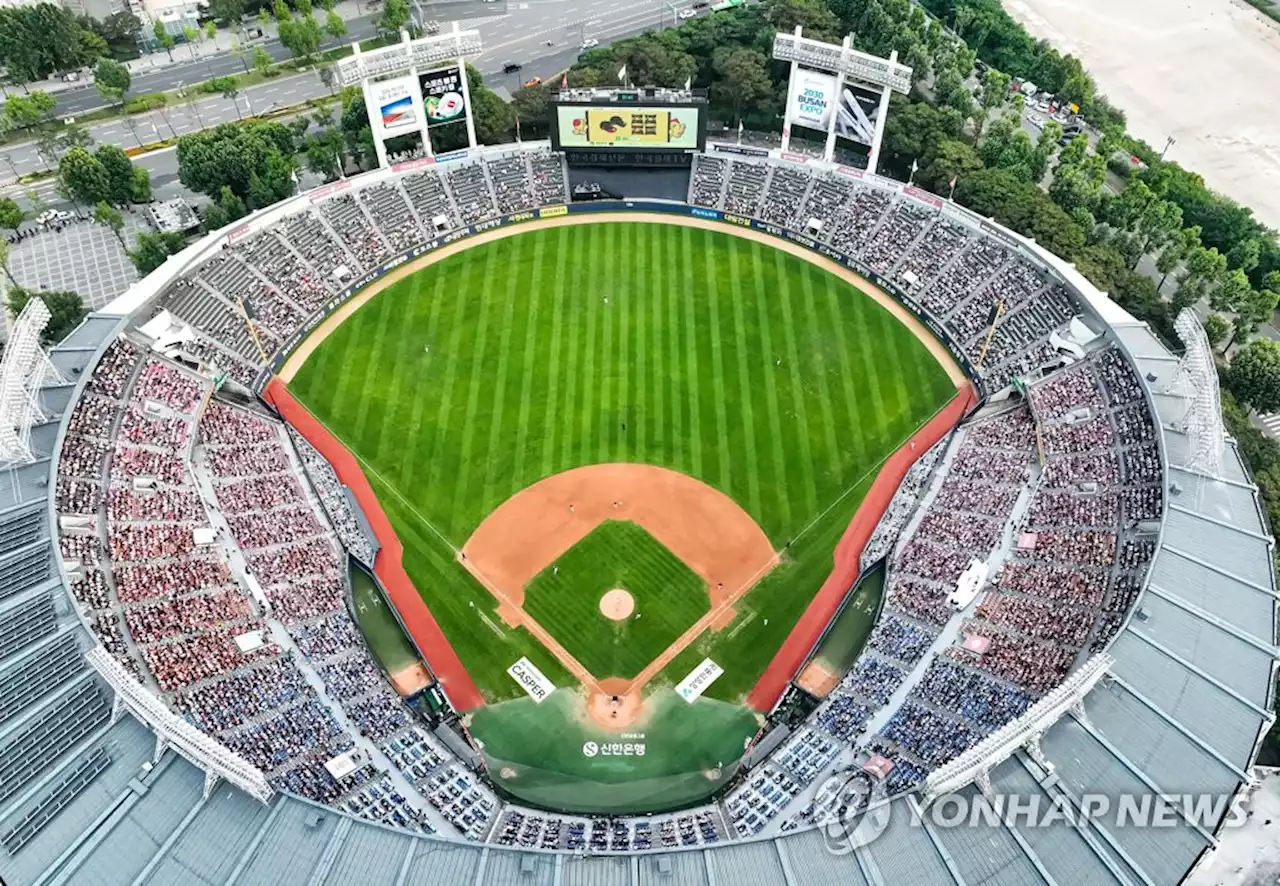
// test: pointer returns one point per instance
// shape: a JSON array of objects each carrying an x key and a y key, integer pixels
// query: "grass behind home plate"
[{"x": 745, "y": 367}]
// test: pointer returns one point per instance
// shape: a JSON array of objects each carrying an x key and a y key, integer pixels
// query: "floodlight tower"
[
  {"x": 25, "y": 369},
  {"x": 1196, "y": 379}
]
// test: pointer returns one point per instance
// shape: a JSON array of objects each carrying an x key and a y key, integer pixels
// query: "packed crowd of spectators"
[
  {"x": 335, "y": 500},
  {"x": 901, "y": 506}
]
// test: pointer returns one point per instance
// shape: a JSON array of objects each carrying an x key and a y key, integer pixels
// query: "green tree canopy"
[
  {"x": 66, "y": 310},
  {"x": 112, "y": 79},
  {"x": 10, "y": 213},
  {"x": 235, "y": 155},
  {"x": 151, "y": 249},
  {"x": 1254, "y": 375},
  {"x": 83, "y": 177}
]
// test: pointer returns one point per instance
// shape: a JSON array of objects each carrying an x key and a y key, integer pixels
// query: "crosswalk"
[{"x": 1270, "y": 424}]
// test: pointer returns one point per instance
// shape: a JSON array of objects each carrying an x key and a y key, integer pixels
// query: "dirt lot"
[{"x": 1205, "y": 72}]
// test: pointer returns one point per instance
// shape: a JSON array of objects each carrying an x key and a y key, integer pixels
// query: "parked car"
[{"x": 1036, "y": 120}]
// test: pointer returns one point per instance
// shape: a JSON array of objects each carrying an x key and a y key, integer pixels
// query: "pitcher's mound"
[{"x": 617, "y": 604}]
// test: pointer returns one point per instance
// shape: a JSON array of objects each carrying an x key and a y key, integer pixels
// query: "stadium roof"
[{"x": 1183, "y": 710}]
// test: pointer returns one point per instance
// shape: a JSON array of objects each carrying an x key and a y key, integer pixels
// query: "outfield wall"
[
  {"x": 417, "y": 619},
  {"x": 800, "y": 643}
]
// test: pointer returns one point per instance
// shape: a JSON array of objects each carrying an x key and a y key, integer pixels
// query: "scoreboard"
[{"x": 622, "y": 132}]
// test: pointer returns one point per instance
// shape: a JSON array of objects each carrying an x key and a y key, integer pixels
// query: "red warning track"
[
  {"x": 805, "y": 635},
  {"x": 426, "y": 633}
]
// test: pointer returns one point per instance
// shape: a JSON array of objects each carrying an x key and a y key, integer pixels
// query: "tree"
[
  {"x": 10, "y": 213},
  {"x": 112, "y": 79},
  {"x": 83, "y": 177},
  {"x": 1253, "y": 309},
  {"x": 394, "y": 18},
  {"x": 151, "y": 249},
  {"x": 121, "y": 30},
  {"x": 328, "y": 77},
  {"x": 995, "y": 86},
  {"x": 494, "y": 118},
  {"x": 66, "y": 310},
  {"x": 262, "y": 60},
  {"x": 228, "y": 11},
  {"x": 334, "y": 26},
  {"x": 952, "y": 93},
  {"x": 26, "y": 111},
  {"x": 1254, "y": 375},
  {"x": 812, "y": 15},
  {"x": 192, "y": 36},
  {"x": 325, "y": 153},
  {"x": 140, "y": 185},
  {"x": 74, "y": 136},
  {"x": 1203, "y": 270},
  {"x": 163, "y": 37},
  {"x": 301, "y": 36},
  {"x": 1216, "y": 328},
  {"x": 109, "y": 217},
  {"x": 953, "y": 159},
  {"x": 742, "y": 79},
  {"x": 1244, "y": 254},
  {"x": 119, "y": 170},
  {"x": 43, "y": 39},
  {"x": 234, "y": 156},
  {"x": 5, "y": 247},
  {"x": 1231, "y": 292}
]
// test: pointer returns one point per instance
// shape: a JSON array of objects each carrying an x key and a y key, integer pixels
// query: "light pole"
[{"x": 1169, "y": 142}]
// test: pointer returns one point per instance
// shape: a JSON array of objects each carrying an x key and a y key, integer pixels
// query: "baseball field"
[{"x": 756, "y": 377}]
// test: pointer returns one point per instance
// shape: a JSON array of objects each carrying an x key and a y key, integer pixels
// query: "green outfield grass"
[
  {"x": 735, "y": 363},
  {"x": 565, "y": 599},
  {"x": 542, "y": 748}
]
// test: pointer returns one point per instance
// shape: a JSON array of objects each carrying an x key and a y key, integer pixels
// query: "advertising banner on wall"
[
  {"x": 442, "y": 96},
  {"x": 813, "y": 99},
  {"x": 858, "y": 113},
  {"x": 397, "y": 106}
]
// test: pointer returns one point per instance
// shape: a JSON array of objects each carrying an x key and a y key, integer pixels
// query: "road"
[
  {"x": 541, "y": 35},
  {"x": 502, "y": 25}
]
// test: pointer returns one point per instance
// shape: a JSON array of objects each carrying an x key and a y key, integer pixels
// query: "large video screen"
[{"x": 628, "y": 126}]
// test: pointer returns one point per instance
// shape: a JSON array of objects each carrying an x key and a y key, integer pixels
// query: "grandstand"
[{"x": 169, "y": 522}]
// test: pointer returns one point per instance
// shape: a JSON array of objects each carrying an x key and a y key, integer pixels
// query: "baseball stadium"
[{"x": 434, "y": 526}]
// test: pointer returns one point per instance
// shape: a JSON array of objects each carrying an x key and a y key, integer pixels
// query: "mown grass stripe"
[
  {"x": 608, "y": 312},
  {"x": 693, "y": 345},
  {"x": 657, "y": 275},
  {"x": 479, "y": 347},
  {"x": 586, "y": 410},
  {"x": 451, "y": 360},
  {"x": 713, "y": 279},
  {"x": 498, "y": 419},
  {"x": 402, "y": 361},
  {"x": 397, "y": 445},
  {"x": 533, "y": 306},
  {"x": 848, "y": 357},
  {"x": 674, "y": 292},
  {"x": 812, "y": 334},
  {"x": 379, "y": 340},
  {"x": 576, "y": 300},
  {"x": 626, "y": 302},
  {"x": 783, "y": 300},
  {"x": 560, "y": 285},
  {"x": 754, "y": 506},
  {"x": 769, "y": 368},
  {"x": 640, "y": 356}
]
